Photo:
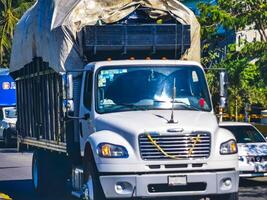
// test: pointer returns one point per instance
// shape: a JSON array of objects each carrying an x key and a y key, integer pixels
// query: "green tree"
[
  {"x": 10, "y": 12},
  {"x": 8, "y": 21},
  {"x": 246, "y": 68}
]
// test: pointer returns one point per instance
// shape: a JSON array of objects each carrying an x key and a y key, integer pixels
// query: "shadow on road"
[
  {"x": 23, "y": 190},
  {"x": 252, "y": 189},
  {"x": 12, "y": 147},
  {"x": 8, "y": 150}
]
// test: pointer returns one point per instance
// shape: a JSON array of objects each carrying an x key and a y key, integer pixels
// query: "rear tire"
[
  {"x": 49, "y": 173},
  {"x": 39, "y": 176},
  {"x": 6, "y": 139}
]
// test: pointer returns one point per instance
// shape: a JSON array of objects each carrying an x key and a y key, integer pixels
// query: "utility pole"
[
  {"x": 247, "y": 110},
  {"x": 236, "y": 117},
  {"x": 223, "y": 93}
]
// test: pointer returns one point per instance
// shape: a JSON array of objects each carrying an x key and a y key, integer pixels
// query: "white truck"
[
  {"x": 8, "y": 115},
  {"x": 115, "y": 127}
]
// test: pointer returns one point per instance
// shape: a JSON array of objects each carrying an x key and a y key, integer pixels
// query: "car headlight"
[
  {"x": 229, "y": 147},
  {"x": 107, "y": 150}
]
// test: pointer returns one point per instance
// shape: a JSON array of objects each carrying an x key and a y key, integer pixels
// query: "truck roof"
[{"x": 142, "y": 62}]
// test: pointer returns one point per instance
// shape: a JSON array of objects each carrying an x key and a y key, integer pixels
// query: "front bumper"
[
  {"x": 156, "y": 185},
  {"x": 252, "y": 169}
]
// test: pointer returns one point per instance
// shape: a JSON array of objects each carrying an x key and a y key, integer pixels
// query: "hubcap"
[
  {"x": 35, "y": 174},
  {"x": 89, "y": 189}
]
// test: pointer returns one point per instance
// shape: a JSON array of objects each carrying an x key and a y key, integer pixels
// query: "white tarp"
[{"x": 50, "y": 28}]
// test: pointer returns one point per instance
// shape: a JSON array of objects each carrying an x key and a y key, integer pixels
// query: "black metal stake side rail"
[{"x": 40, "y": 106}]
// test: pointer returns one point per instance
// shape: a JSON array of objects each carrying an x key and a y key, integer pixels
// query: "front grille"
[{"x": 179, "y": 145}]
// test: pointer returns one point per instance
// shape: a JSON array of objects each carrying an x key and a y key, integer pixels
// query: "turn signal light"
[{"x": 105, "y": 150}]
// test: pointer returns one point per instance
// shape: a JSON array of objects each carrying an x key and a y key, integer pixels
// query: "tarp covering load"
[{"x": 51, "y": 28}]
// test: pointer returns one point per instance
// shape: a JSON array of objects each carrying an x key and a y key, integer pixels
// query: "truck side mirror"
[
  {"x": 69, "y": 86},
  {"x": 67, "y": 80}
]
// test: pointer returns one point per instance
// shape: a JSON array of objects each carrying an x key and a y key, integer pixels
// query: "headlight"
[
  {"x": 228, "y": 147},
  {"x": 107, "y": 150},
  {"x": 11, "y": 125}
]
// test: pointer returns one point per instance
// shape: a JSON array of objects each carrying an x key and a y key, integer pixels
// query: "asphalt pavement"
[{"x": 15, "y": 180}]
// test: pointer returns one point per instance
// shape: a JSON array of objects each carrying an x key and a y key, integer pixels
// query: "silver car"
[
  {"x": 252, "y": 148},
  {"x": 8, "y": 119}
]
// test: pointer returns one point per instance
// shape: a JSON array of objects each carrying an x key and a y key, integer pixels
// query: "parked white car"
[
  {"x": 252, "y": 148},
  {"x": 8, "y": 119}
]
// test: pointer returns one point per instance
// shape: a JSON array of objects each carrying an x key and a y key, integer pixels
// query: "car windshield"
[
  {"x": 151, "y": 88},
  {"x": 245, "y": 134},
  {"x": 11, "y": 113}
]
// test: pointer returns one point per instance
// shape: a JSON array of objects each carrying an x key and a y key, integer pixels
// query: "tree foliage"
[
  {"x": 10, "y": 12},
  {"x": 247, "y": 67}
]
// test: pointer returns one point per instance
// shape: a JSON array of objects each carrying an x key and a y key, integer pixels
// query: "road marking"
[{"x": 4, "y": 197}]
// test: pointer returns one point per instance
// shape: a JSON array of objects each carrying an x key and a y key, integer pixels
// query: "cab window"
[
  {"x": 1, "y": 115},
  {"x": 88, "y": 86}
]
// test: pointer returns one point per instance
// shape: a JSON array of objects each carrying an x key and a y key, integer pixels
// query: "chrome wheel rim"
[{"x": 35, "y": 174}]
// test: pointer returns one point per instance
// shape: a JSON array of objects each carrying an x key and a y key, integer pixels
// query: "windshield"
[
  {"x": 10, "y": 113},
  {"x": 245, "y": 134},
  {"x": 150, "y": 88}
]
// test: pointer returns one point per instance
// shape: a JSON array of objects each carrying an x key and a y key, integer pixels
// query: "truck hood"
[
  {"x": 252, "y": 149},
  {"x": 136, "y": 122}
]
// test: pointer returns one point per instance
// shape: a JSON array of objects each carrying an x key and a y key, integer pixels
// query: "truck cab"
[{"x": 151, "y": 131}]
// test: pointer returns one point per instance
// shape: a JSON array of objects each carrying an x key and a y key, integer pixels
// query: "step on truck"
[{"x": 109, "y": 109}]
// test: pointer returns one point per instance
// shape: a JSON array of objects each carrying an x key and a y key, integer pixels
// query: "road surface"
[{"x": 15, "y": 179}]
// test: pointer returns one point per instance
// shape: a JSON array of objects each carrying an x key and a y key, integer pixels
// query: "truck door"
[{"x": 86, "y": 124}]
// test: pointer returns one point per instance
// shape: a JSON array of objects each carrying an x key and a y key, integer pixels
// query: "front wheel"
[{"x": 92, "y": 186}]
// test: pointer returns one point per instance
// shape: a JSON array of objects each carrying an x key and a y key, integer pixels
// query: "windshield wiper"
[
  {"x": 160, "y": 116},
  {"x": 132, "y": 106},
  {"x": 180, "y": 102}
]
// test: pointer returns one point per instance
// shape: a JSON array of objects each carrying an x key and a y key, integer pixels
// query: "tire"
[
  {"x": 49, "y": 173},
  {"x": 7, "y": 139},
  {"x": 232, "y": 196},
  {"x": 93, "y": 189},
  {"x": 39, "y": 178}
]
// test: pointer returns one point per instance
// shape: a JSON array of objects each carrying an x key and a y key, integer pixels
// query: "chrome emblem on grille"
[{"x": 175, "y": 130}]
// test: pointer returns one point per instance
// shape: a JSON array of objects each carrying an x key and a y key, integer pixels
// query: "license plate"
[{"x": 177, "y": 180}]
